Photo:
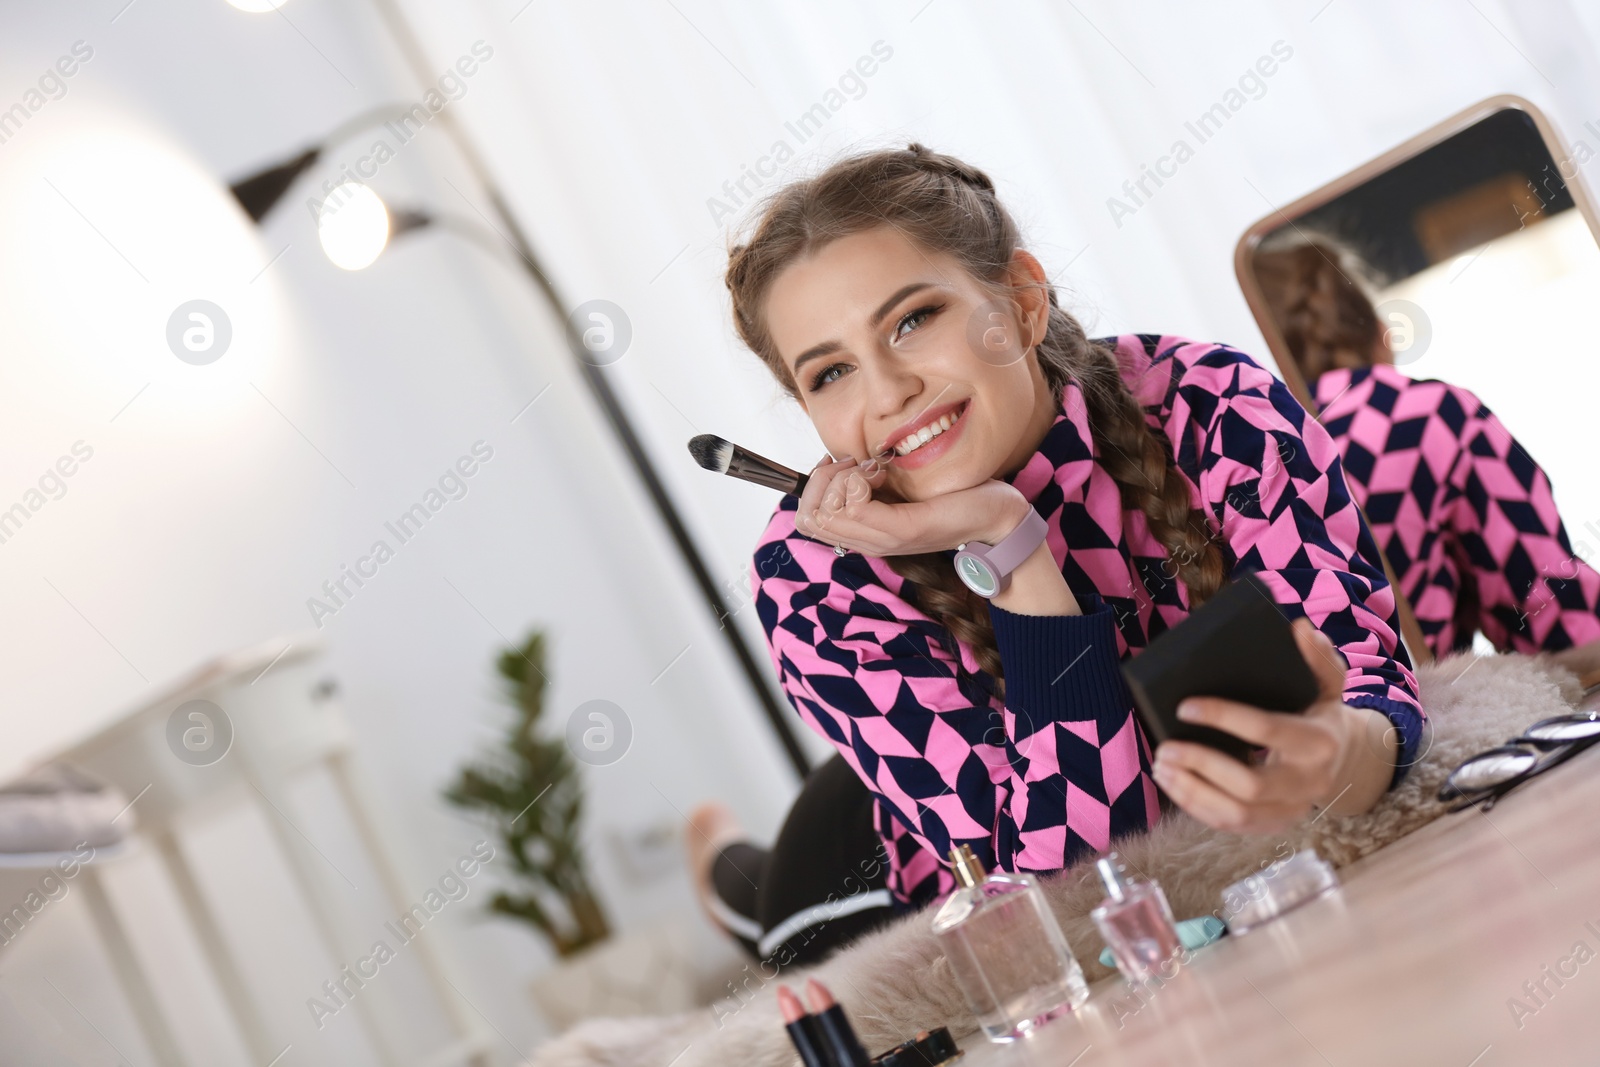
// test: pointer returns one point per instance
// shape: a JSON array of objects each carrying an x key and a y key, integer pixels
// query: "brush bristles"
[{"x": 711, "y": 452}]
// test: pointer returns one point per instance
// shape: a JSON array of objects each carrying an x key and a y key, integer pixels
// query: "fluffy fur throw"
[{"x": 895, "y": 980}]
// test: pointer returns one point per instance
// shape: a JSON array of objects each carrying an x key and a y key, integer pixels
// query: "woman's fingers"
[
  {"x": 1273, "y": 782},
  {"x": 874, "y": 470},
  {"x": 817, "y": 485},
  {"x": 847, "y": 487},
  {"x": 849, "y": 513},
  {"x": 1303, "y": 750},
  {"x": 1301, "y": 740},
  {"x": 1218, "y": 809},
  {"x": 844, "y": 489},
  {"x": 1256, "y": 725},
  {"x": 874, "y": 526},
  {"x": 849, "y": 504},
  {"x": 1228, "y": 774}
]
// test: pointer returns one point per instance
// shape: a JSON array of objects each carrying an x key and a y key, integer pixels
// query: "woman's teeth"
[{"x": 912, "y": 442}]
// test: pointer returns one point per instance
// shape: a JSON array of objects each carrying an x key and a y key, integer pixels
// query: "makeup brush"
[
  {"x": 837, "y": 1033},
  {"x": 803, "y": 1030},
  {"x": 722, "y": 456}
]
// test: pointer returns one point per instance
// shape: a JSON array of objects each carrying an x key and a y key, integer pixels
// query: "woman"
[
  {"x": 890, "y": 295},
  {"x": 1466, "y": 517}
]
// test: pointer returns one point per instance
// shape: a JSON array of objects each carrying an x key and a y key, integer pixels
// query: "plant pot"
[{"x": 648, "y": 972}]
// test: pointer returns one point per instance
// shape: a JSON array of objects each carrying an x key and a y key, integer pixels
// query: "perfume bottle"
[
  {"x": 1136, "y": 922},
  {"x": 1006, "y": 951}
]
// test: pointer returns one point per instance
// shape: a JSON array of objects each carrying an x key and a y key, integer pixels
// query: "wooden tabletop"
[{"x": 1418, "y": 958}]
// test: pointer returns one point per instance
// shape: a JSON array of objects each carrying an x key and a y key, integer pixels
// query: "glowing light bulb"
[{"x": 353, "y": 226}]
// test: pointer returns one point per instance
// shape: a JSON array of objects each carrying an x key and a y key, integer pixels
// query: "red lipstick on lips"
[{"x": 939, "y": 445}]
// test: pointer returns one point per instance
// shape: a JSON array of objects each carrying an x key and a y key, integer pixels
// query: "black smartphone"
[{"x": 1239, "y": 646}]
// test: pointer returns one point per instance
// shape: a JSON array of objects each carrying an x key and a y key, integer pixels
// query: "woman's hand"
[
  {"x": 838, "y": 506},
  {"x": 1333, "y": 756}
]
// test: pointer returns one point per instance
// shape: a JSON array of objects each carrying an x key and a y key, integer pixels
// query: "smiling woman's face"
[{"x": 884, "y": 338}]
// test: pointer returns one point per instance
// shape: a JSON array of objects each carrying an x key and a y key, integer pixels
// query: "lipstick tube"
[
  {"x": 839, "y": 1037},
  {"x": 805, "y": 1032}
]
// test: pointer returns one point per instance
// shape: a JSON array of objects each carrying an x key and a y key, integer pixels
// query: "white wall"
[
  {"x": 627, "y": 119},
  {"x": 221, "y": 497}
]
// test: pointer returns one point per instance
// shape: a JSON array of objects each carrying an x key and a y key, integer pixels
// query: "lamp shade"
[{"x": 258, "y": 193}]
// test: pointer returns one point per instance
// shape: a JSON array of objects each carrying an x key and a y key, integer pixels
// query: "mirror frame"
[{"x": 1244, "y": 252}]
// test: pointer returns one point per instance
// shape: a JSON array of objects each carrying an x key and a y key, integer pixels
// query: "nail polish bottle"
[
  {"x": 1006, "y": 951},
  {"x": 1136, "y": 922}
]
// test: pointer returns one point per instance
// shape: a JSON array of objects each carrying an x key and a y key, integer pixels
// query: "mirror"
[{"x": 1476, "y": 248}]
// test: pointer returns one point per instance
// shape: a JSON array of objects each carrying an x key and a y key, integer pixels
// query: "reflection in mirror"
[{"x": 1429, "y": 307}]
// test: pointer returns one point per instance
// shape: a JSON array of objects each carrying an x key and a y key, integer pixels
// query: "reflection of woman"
[
  {"x": 890, "y": 295},
  {"x": 1461, "y": 509}
]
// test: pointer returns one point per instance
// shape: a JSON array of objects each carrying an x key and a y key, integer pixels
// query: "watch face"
[{"x": 978, "y": 576}]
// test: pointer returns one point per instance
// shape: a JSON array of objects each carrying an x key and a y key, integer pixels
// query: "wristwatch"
[{"x": 986, "y": 569}]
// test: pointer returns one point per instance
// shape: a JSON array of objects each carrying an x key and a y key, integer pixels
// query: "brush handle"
[{"x": 748, "y": 466}]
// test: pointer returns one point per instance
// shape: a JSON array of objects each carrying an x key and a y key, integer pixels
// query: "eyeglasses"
[{"x": 1488, "y": 776}]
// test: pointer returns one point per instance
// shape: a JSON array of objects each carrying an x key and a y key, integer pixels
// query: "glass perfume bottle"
[
  {"x": 1006, "y": 951},
  {"x": 1136, "y": 922}
]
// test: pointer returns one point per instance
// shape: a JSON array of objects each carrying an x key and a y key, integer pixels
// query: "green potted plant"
[{"x": 529, "y": 789}]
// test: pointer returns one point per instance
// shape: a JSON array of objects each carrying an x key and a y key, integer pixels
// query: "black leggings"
[{"x": 820, "y": 885}]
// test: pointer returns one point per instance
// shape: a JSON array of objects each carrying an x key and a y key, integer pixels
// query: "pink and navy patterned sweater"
[
  {"x": 1464, "y": 514},
  {"x": 1061, "y": 766}
]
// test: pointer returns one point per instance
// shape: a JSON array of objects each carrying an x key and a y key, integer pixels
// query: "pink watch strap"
[{"x": 1019, "y": 544}]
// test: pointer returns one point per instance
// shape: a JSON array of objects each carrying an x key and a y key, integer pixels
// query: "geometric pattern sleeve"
[
  {"x": 945, "y": 762},
  {"x": 1465, "y": 515},
  {"x": 1272, "y": 479},
  {"x": 1534, "y": 594}
]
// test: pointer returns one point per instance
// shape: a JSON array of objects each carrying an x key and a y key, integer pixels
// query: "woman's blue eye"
[
  {"x": 915, "y": 318},
  {"x": 920, "y": 315},
  {"x": 818, "y": 382}
]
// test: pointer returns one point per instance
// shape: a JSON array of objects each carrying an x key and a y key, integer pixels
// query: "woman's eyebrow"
[{"x": 827, "y": 348}]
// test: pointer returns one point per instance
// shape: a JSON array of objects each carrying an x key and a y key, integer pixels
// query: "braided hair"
[
  {"x": 1318, "y": 289},
  {"x": 946, "y": 205}
]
